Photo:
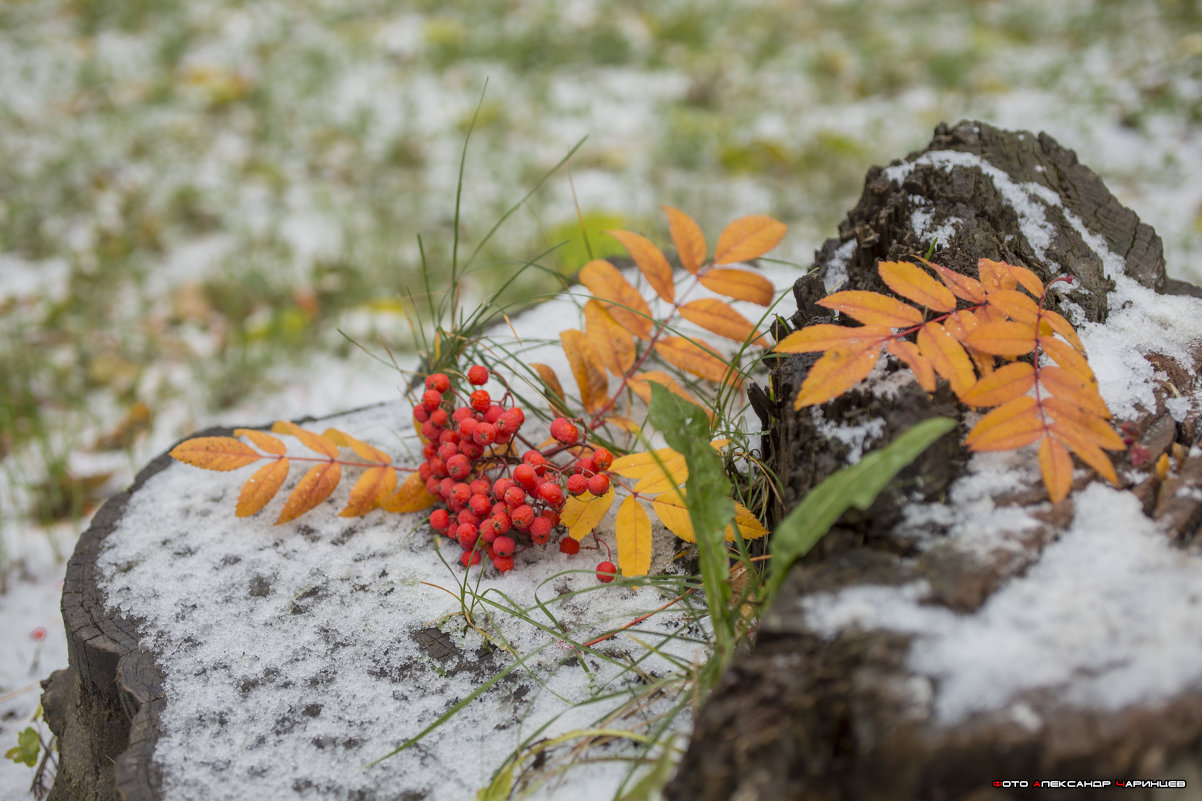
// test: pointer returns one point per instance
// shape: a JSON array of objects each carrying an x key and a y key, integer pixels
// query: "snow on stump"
[{"x": 965, "y": 631}]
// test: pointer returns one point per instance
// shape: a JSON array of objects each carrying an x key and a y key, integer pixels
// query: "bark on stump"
[{"x": 808, "y": 716}]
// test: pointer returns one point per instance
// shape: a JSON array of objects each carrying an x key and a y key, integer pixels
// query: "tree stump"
[{"x": 964, "y": 632}]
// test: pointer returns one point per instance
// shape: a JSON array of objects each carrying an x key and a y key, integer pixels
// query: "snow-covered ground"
[{"x": 146, "y": 152}]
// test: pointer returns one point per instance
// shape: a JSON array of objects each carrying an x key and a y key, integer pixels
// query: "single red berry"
[
  {"x": 552, "y": 516},
  {"x": 440, "y": 519},
  {"x": 525, "y": 475},
  {"x": 446, "y": 450},
  {"x": 430, "y": 431},
  {"x": 461, "y": 413},
  {"x": 493, "y": 413},
  {"x": 508, "y": 423},
  {"x": 522, "y": 517},
  {"x": 438, "y": 467},
  {"x": 466, "y": 515},
  {"x": 439, "y": 382},
  {"x": 439, "y": 417},
  {"x": 569, "y": 546},
  {"x": 450, "y": 436},
  {"x": 515, "y": 497},
  {"x": 503, "y": 546},
  {"x": 502, "y": 522},
  {"x": 38, "y": 634},
  {"x": 479, "y": 486},
  {"x": 518, "y": 414},
  {"x": 480, "y": 504},
  {"x": 564, "y": 431},
  {"x": 420, "y": 413},
  {"x": 471, "y": 450},
  {"x": 481, "y": 400},
  {"x": 503, "y": 563},
  {"x": 431, "y": 399},
  {"x": 423, "y": 471},
  {"x": 428, "y": 450},
  {"x": 461, "y": 492},
  {"x": 467, "y": 426},
  {"x": 540, "y": 530},
  {"x": 501, "y": 484},
  {"x": 432, "y": 484},
  {"x": 485, "y": 434},
  {"x": 458, "y": 466},
  {"x": 535, "y": 460},
  {"x": 445, "y": 487},
  {"x": 477, "y": 374},
  {"x": 603, "y": 459},
  {"x": 551, "y": 492},
  {"x": 488, "y": 531},
  {"x": 466, "y": 534},
  {"x": 469, "y": 558},
  {"x": 598, "y": 484},
  {"x": 586, "y": 465},
  {"x": 577, "y": 484},
  {"x": 606, "y": 572}
]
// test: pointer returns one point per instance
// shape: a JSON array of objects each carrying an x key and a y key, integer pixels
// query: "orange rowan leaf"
[
  {"x": 671, "y": 509},
  {"x": 915, "y": 284},
  {"x": 554, "y": 390},
  {"x": 1064, "y": 328},
  {"x": 215, "y": 453},
  {"x": 582, "y": 513},
  {"x": 1012, "y": 425},
  {"x": 1087, "y": 450},
  {"x": 261, "y": 487},
  {"x": 748, "y": 238},
  {"x": 947, "y": 357},
  {"x": 962, "y": 286},
  {"x": 1087, "y": 423},
  {"x": 624, "y": 423},
  {"x": 995, "y": 275},
  {"x": 692, "y": 358},
  {"x": 263, "y": 440},
  {"x": 721, "y": 318},
  {"x": 1016, "y": 305},
  {"x": 632, "y": 530},
  {"x": 1029, "y": 280},
  {"x": 613, "y": 343},
  {"x": 620, "y": 299},
  {"x": 368, "y": 453},
  {"x": 908, "y": 353},
  {"x": 651, "y": 261},
  {"x": 1002, "y": 339},
  {"x": 314, "y": 442},
  {"x": 314, "y": 488},
  {"x": 673, "y": 472},
  {"x": 640, "y": 385},
  {"x": 688, "y": 238},
  {"x": 1003, "y": 384},
  {"x": 411, "y": 496},
  {"x": 372, "y": 487},
  {"x": 738, "y": 284},
  {"x": 825, "y": 336},
  {"x": 873, "y": 308},
  {"x": 643, "y": 463},
  {"x": 587, "y": 368},
  {"x": 837, "y": 371},
  {"x": 1056, "y": 465},
  {"x": 1067, "y": 357},
  {"x": 961, "y": 324},
  {"x": 1063, "y": 384}
]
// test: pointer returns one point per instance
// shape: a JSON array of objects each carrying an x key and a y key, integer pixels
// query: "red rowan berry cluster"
[{"x": 496, "y": 503}]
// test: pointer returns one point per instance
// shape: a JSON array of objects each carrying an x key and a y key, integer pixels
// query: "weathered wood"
[{"x": 811, "y": 715}]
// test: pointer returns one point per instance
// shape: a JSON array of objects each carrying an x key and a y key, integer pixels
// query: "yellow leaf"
[
  {"x": 908, "y": 353},
  {"x": 1015, "y": 305},
  {"x": 1087, "y": 423},
  {"x": 314, "y": 488},
  {"x": 1085, "y": 448},
  {"x": 691, "y": 358},
  {"x": 687, "y": 236},
  {"x": 672, "y": 473},
  {"x": 750, "y": 527},
  {"x": 670, "y": 508},
  {"x": 1057, "y": 468},
  {"x": 643, "y": 463},
  {"x": 624, "y": 423},
  {"x": 721, "y": 318},
  {"x": 372, "y": 487},
  {"x": 613, "y": 343},
  {"x": 915, "y": 284},
  {"x": 586, "y": 368},
  {"x": 961, "y": 324},
  {"x": 837, "y": 371},
  {"x": 620, "y": 299},
  {"x": 962, "y": 286},
  {"x": 411, "y": 496},
  {"x": 748, "y": 238},
  {"x": 368, "y": 453},
  {"x": 1003, "y": 384},
  {"x": 1064, "y": 328},
  {"x": 314, "y": 442},
  {"x": 1002, "y": 339},
  {"x": 651, "y": 262},
  {"x": 873, "y": 308},
  {"x": 1029, "y": 280},
  {"x": 261, "y": 487},
  {"x": 1067, "y": 357},
  {"x": 639, "y": 383},
  {"x": 738, "y": 284},
  {"x": 582, "y": 513},
  {"x": 816, "y": 338},
  {"x": 215, "y": 453},
  {"x": 1070, "y": 386},
  {"x": 263, "y": 440},
  {"x": 632, "y": 529},
  {"x": 947, "y": 357},
  {"x": 1011, "y": 425},
  {"x": 995, "y": 275},
  {"x": 554, "y": 390}
]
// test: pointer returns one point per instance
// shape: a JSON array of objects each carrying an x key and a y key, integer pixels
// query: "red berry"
[
  {"x": 440, "y": 519},
  {"x": 525, "y": 475},
  {"x": 502, "y": 522},
  {"x": 493, "y": 413},
  {"x": 586, "y": 465},
  {"x": 471, "y": 450},
  {"x": 517, "y": 413},
  {"x": 423, "y": 471},
  {"x": 480, "y": 504},
  {"x": 470, "y": 558},
  {"x": 461, "y": 413},
  {"x": 438, "y": 467},
  {"x": 38, "y": 634},
  {"x": 480, "y": 486},
  {"x": 480, "y": 400},
  {"x": 540, "y": 530},
  {"x": 430, "y": 431},
  {"x": 428, "y": 450},
  {"x": 485, "y": 434},
  {"x": 503, "y": 546},
  {"x": 535, "y": 460},
  {"x": 467, "y": 426},
  {"x": 439, "y": 417},
  {"x": 450, "y": 436},
  {"x": 514, "y": 497},
  {"x": 577, "y": 485},
  {"x": 432, "y": 484},
  {"x": 458, "y": 466},
  {"x": 446, "y": 450},
  {"x": 438, "y": 382},
  {"x": 466, "y": 534},
  {"x": 467, "y": 516},
  {"x": 569, "y": 546},
  {"x": 508, "y": 423},
  {"x": 477, "y": 374},
  {"x": 564, "y": 431},
  {"x": 501, "y": 485},
  {"x": 503, "y": 563},
  {"x": 598, "y": 484},
  {"x": 431, "y": 399},
  {"x": 522, "y": 517},
  {"x": 420, "y": 413},
  {"x": 602, "y": 458},
  {"x": 461, "y": 492},
  {"x": 606, "y": 572},
  {"x": 551, "y": 515},
  {"x": 488, "y": 531},
  {"x": 551, "y": 492}
]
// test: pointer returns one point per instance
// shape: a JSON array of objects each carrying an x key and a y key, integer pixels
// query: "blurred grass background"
[{"x": 197, "y": 197}]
